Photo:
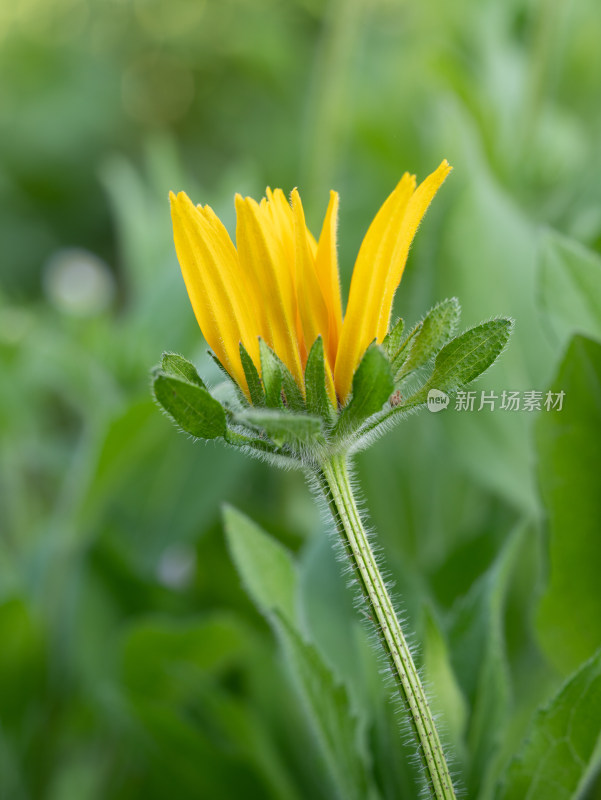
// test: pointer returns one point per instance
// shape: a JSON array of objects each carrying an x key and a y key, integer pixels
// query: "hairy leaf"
[
  {"x": 436, "y": 329},
  {"x": 190, "y": 406},
  {"x": 179, "y": 367}
]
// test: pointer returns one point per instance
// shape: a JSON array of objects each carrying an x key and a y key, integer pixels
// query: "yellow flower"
[{"x": 282, "y": 285}]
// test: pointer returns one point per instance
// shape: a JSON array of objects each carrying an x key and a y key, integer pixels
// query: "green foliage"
[
  {"x": 372, "y": 386},
  {"x": 190, "y": 406},
  {"x": 430, "y": 336},
  {"x": 466, "y": 357},
  {"x": 114, "y": 575},
  {"x": 255, "y": 387},
  {"x": 316, "y": 393},
  {"x": 282, "y": 427},
  {"x": 570, "y": 286},
  {"x": 568, "y": 460},
  {"x": 561, "y": 752},
  {"x": 270, "y": 577},
  {"x": 177, "y": 366},
  {"x": 271, "y": 375},
  {"x": 394, "y": 338}
]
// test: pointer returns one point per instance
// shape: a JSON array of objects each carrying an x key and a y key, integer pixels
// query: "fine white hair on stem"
[{"x": 412, "y": 706}]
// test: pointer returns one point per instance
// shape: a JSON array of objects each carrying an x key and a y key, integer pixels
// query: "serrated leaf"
[
  {"x": 393, "y": 339},
  {"x": 190, "y": 406},
  {"x": 255, "y": 387},
  {"x": 569, "y": 617},
  {"x": 563, "y": 746},
  {"x": 282, "y": 426},
  {"x": 372, "y": 386},
  {"x": 179, "y": 367},
  {"x": 318, "y": 401},
  {"x": 437, "y": 327},
  {"x": 466, "y": 357}
]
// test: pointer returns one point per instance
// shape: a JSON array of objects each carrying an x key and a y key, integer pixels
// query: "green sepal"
[
  {"x": 177, "y": 366},
  {"x": 255, "y": 387},
  {"x": 318, "y": 401},
  {"x": 272, "y": 376},
  {"x": 372, "y": 386},
  {"x": 239, "y": 393},
  {"x": 461, "y": 361},
  {"x": 190, "y": 406},
  {"x": 466, "y": 357},
  {"x": 394, "y": 338},
  {"x": 436, "y": 329},
  {"x": 283, "y": 427},
  {"x": 277, "y": 378},
  {"x": 398, "y": 359}
]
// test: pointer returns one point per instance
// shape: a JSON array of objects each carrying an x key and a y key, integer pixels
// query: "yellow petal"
[
  {"x": 379, "y": 269},
  {"x": 326, "y": 266},
  {"x": 367, "y": 284},
  {"x": 217, "y": 290},
  {"x": 414, "y": 213},
  {"x": 260, "y": 253},
  {"x": 313, "y": 310},
  {"x": 312, "y": 307}
]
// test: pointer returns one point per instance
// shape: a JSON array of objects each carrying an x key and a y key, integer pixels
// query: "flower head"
[{"x": 282, "y": 285}]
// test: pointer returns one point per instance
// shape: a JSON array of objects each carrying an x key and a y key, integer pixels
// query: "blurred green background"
[{"x": 133, "y": 664}]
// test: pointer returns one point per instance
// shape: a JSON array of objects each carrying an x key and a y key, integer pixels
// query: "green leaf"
[
  {"x": 447, "y": 699},
  {"x": 328, "y": 704},
  {"x": 272, "y": 376},
  {"x": 562, "y": 750},
  {"x": 179, "y": 367},
  {"x": 393, "y": 339},
  {"x": 284, "y": 427},
  {"x": 437, "y": 327},
  {"x": 318, "y": 401},
  {"x": 569, "y": 618},
  {"x": 372, "y": 386},
  {"x": 269, "y": 574},
  {"x": 190, "y": 406},
  {"x": 22, "y": 661},
  {"x": 255, "y": 387},
  {"x": 160, "y": 653},
  {"x": 570, "y": 286},
  {"x": 264, "y": 565},
  {"x": 466, "y": 357},
  {"x": 477, "y": 640}
]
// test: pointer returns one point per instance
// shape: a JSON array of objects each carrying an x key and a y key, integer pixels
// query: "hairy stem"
[{"x": 335, "y": 483}]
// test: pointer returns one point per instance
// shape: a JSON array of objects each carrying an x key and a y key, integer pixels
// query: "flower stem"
[{"x": 334, "y": 480}]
